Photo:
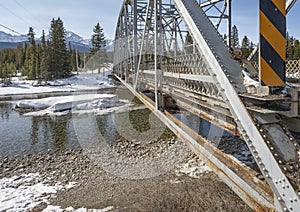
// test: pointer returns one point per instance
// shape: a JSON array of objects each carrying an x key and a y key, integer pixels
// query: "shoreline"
[{"x": 96, "y": 188}]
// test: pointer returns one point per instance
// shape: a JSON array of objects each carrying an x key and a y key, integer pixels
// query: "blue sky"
[{"x": 80, "y": 16}]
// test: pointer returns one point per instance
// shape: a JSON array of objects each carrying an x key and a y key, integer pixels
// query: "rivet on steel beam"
[
  {"x": 267, "y": 176},
  {"x": 272, "y": 148},
  {"x": 261, "y": 130},
  {"x": 284, "y": 209},
  {"x": 275, "y": 181},
  {"x": 295, "y": 199},
  {"x": 279, "y": 198}
]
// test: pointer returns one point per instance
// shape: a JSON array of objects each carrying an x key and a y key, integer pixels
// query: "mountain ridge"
[{"x": 73, "y": 40}]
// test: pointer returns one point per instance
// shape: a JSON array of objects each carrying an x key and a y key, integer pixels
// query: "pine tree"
[
  {"x": 59, "y": 60},
  {"x": 97, "y": 57},
  {"x": 33, "y": 56},
  {"x": 44, "y": 66},
  {"x": 246, "y": 49},
  {"x": 98, "y": 39},
  {"x": 189, "y": 44},
  {"x": 235, "y": 37},
  {"x": 290, "y": 47},
  {"x": 296, "y": 49}
]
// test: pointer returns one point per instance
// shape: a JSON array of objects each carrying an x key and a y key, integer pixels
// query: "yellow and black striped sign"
[{"x": 272, "y": 42}]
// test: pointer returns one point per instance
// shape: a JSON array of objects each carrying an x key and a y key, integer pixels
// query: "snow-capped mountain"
[
  {"x": 76, "y": 41},
  {"x": 8, "y": 38}
]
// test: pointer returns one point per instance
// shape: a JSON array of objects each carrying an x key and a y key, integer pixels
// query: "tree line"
[
  {"x": 50, "y": 58},
  {"x": 247, "y": 46}
]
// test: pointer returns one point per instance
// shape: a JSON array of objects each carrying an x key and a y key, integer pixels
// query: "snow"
[
  {"x": 194, "y": 169},
  {"x": 23, "y": 193},
  {"x": 51, "y": 208},
  {"x": 83, "y": 81},
  {"x": 78, "y": 104}
]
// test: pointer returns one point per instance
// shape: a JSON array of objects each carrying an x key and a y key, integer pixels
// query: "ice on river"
[
  {"x": 97, "y": 103},
  {"x": 23, "y": 193}
]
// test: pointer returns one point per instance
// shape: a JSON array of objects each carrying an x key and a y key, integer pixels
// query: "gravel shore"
[{"x": 96, "y": 188}]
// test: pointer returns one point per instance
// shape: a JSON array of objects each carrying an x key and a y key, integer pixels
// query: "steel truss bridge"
[{"x": 174, "y": 49}]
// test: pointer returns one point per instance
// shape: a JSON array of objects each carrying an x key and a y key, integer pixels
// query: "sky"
[{"x": 80, "y": 16}]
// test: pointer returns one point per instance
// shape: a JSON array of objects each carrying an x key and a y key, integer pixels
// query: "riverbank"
[
  {"x": 85, "y": 81},
  {"x": 93, "y": 188}
]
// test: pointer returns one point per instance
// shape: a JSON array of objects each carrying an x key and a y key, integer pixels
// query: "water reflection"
[
  {"x": 5, "y": 110},
  {"x": 21, "y": 135}
]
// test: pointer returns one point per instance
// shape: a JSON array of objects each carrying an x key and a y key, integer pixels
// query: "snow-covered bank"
[
  {"x": 23, "y": 193},
  {"x": 83, "y": 81},
  {"x": 90, "y": 103}
]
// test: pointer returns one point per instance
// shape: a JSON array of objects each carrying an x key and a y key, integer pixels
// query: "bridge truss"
[{"x": 174, "y": 49}]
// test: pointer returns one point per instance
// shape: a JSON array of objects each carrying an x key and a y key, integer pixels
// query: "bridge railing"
[{"x": 292, "y": 69}]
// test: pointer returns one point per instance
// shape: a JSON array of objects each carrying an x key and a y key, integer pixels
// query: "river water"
[{"x": 22, "y": 135}]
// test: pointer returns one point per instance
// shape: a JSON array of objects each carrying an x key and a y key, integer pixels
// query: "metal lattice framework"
[{"x": 175, "y": 48}]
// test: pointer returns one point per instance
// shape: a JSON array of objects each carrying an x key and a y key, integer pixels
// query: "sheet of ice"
[
  {"x": 73, "y": 100},
  {"x": 23, "y": 193},
  {"x": 98, "y": 104},
  {"x": 51, "y": 208},
  {"x": 83, "y": 81}
]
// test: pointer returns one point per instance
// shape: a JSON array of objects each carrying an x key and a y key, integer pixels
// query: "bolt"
[{"x": 279, "y": 198}]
